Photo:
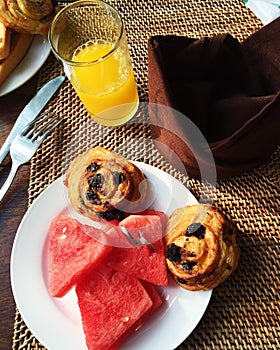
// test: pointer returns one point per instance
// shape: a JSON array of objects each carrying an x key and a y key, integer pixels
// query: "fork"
[
  {"x": 142, "y": 240},
  {"x": 26, "y": 144}
]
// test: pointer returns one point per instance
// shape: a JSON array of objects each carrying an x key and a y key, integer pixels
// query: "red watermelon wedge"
[
  {"x": 153, "y": 293},
  {"x": 149, "y": 226},
  {"x": 160, "y": 214},
  {"x": 157, "y": 302},
  {"x": 141, "y": 262},
  {"x": 110, "y": 303},
  {"x": 72, "y": 254}
]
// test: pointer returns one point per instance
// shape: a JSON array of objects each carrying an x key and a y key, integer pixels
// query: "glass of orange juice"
[{"x": 89, "y": 38}]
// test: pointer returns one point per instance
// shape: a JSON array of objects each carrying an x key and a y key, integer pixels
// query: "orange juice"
[{"x": 105, "y": 82}]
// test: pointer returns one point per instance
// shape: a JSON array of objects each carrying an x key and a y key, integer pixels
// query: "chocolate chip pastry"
[
  {"x": 27, "y": 16},
  {"x": 201, "y": 248},
  {"x": 104, "y": 185}
]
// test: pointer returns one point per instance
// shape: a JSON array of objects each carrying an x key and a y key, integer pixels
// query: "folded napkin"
[
  {"x": 265, "y": 10},
  {"x": 229, "y": 90}
]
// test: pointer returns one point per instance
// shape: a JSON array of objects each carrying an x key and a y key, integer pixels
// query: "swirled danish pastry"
[
  {"x": 201, "y": 248},
  {"x": 103, "y": 185},
  {"x": 27, "y": 16}
]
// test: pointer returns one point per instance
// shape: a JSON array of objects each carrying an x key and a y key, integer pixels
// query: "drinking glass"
[{"x": 89, "y": 39}]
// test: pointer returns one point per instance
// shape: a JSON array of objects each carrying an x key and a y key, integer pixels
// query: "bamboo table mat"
[{"x": 243, "y": 312}]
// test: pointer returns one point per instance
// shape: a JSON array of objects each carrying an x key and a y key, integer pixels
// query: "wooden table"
[{"x": 12, "y": 207}]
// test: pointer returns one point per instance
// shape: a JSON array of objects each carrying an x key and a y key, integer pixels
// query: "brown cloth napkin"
[{"x": 230, "y": 90}]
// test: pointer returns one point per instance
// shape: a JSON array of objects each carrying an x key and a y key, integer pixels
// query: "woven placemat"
[{"x": 244, "y": 311}]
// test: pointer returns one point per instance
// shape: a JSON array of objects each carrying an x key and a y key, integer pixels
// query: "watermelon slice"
[
  {"x": 157, "y": 302},
  {"x": 149, "y": 226},
  {"x": 153, "y": 293},
  {"x": 110, "y": 303},
  {"x": 160, "y": 214},
  {"x": 72, "y": 254},
  {"x": 113, "y": 235},
  {"x": 141, "y": 262}
]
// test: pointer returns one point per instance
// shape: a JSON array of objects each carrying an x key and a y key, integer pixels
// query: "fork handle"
[
  {"x": 9, "y": 180},
  {"x": 4, "y": 150}
]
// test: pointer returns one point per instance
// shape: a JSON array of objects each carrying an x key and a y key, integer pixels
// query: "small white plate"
[
  {"x": 55, "y": 322},
  {"x": 30, "y": 64}
]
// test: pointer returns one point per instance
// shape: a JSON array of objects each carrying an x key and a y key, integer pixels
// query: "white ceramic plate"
[
  {"x": 30, "y": 64},
  {"x": 56, "y": 323}
]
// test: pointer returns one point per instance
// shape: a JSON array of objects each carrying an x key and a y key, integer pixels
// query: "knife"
[{"x": 30, "y": 111}]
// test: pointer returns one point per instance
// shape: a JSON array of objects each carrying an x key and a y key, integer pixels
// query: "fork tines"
[
  {"x": 142, "y": 240},
  {"x": 41, "y": 126}
]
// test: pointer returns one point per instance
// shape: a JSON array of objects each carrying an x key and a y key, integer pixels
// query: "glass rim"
[{"x": 81, "y": 3}]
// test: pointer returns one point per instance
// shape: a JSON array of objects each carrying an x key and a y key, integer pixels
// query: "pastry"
[
  {"x": 201, "y": 248},
  {"x": 27, "y": 15},
  {"x": 103, "y": 185},
  {"x": 20, "y": 43},
  {"x": 5, "y": 40}
]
